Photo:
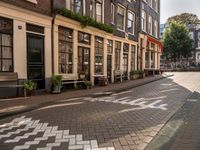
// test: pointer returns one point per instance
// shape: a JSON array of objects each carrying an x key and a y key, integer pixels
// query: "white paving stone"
[{"x": 75, "y": 141}]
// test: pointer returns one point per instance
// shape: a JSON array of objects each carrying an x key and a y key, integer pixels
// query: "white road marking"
[
  {"x": 143, "y": 103},
  {"x": 75, "y": 141},
  {"x": 130, "y": 91},
  {"x": 174, "y": 89}
]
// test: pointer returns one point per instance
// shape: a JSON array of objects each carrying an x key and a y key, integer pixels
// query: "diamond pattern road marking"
[
  {"x": 75, "y": 141},
  {"x": 141, "y": 102}
]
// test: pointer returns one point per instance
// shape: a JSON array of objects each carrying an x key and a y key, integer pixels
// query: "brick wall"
[{"x": 43, "y": 6}]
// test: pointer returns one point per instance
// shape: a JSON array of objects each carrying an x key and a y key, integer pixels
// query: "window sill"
[
  {"x": 32, "y": 1},
  {"x": 121, "y": 30}
]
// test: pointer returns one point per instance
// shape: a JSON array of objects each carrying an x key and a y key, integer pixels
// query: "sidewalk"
[
  {"x": 14, "y": 106},
  {"x": 182, "y": 131}
]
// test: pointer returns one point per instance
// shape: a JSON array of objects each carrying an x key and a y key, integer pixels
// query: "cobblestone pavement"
[{"x": 126, "y": 120}]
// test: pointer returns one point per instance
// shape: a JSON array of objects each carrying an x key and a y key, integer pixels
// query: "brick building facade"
[{"x": 53, "y": 44}]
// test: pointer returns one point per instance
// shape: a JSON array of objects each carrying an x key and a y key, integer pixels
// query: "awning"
[{"x": 155, "y": 41}]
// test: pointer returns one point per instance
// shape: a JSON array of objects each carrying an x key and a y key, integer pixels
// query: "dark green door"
[
  {"x": 109, "y": 67},
  {"x": 35, "y": 59}
]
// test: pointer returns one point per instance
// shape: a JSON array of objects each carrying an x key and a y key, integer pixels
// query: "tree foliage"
[
  {"x": 185, "y": 18},
  {"x": 177, "y": 42}
]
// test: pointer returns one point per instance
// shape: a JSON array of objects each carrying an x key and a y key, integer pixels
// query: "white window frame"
[
  {"x": 151, "y": 3},
  {"x": 150, "y": 25},
  {"x": 119, "y": 5},
  {"x": 113, "y": 13},
  {"x": 144, "y": 21},
  {"x": 156, "y": 28},
  {"x": 133, "y": 27},
  {"x": 69, "y": 3},
  {"x": 156, "y": 5}
]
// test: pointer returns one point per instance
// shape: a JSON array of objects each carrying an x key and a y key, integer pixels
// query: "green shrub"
[
  {"x": 85, "y": 20},
  {"x": 88, "y": 83},
  {"x": 56, "y": 80},
  {"x": 30, "y": 85}
]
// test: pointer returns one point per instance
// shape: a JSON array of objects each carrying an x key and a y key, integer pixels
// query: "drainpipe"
[
  {"x": 139, "y": 27},
  {"x": 52, "y": 35}
]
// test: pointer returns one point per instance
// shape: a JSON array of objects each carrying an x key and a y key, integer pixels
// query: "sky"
[{"x": 173, "y": 7}]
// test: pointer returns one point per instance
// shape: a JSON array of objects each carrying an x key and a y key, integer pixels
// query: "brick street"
[{"x": 126, "y": 120}]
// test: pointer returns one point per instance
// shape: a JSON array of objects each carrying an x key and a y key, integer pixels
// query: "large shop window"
[
  {"x": 152, "y": 55},
  {"x": 6, "y": 45},
  {"x": 98, "y": 56},
  {"x": 133, "y": 51},
  {"x": 147, "y": 54},
  {"x": 120, "y": 17},
  {"x": 65, "y": 50},
  {"x": 77, "y": 6},
  {"x": 84, "y": 38},
  {"x": 117, "y": 55}
]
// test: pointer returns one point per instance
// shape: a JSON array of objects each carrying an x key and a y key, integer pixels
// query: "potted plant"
[
  {"x": 30, "y": 86},
  {"x": 141, "y": 73},
  {"x": 82, "y": 75},
  {"x": 87, "y": 84},
  {"x": 56, "y": 83}
]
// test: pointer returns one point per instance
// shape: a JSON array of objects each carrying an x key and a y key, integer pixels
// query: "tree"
[
  {"x": 185, "y": 18},
  {"x": 177, "y": 42}
]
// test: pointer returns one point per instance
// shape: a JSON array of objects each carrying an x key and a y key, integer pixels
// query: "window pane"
[
  {"x": 130, "y": 26},
  {"x": 6, "y": 25},
  {"x": 120, "y": 22},
  {"x": 7, "y": 65},
  {"x": 6, "y": 40},
  {"x": 77, "y": 6},
  {"x": 121, "y": 10},
  {"x": 98, "y": 55},
  {"x": 65, "y": 50},
  {"x": 110, "y": 47},
  {"x": 130, "y": 16},
  {"x": 117, "y": 55},
  {"x": 83, "y": 38},
  {"x": 6, "y": 52}
]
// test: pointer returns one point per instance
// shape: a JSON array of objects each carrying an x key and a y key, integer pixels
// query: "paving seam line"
[{"x": 40, "y": 105}]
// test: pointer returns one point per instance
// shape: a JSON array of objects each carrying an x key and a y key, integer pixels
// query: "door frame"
[
  {"x": 43, "y": 53},
  {"x": 111, "y": 63},
  {"x": 89, "y": 63}
]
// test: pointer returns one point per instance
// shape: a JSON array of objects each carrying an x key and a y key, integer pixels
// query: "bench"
[
  {"x": 75, "y": 82},
  {"x": 118, "y": 76},
  {"x": 151, "y": 71},
  {"x": 100, "y": 79},
  {"x": 10, "y": 80}
]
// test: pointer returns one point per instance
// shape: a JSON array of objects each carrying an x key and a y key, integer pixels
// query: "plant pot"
[
  {"x": 131, "y": 77},
  {"x": 56, "y": 89},
  {"x": 82, "y": 76},
  {"x": 136, "y": 76},
  {"x": 29, "y": 92}
]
